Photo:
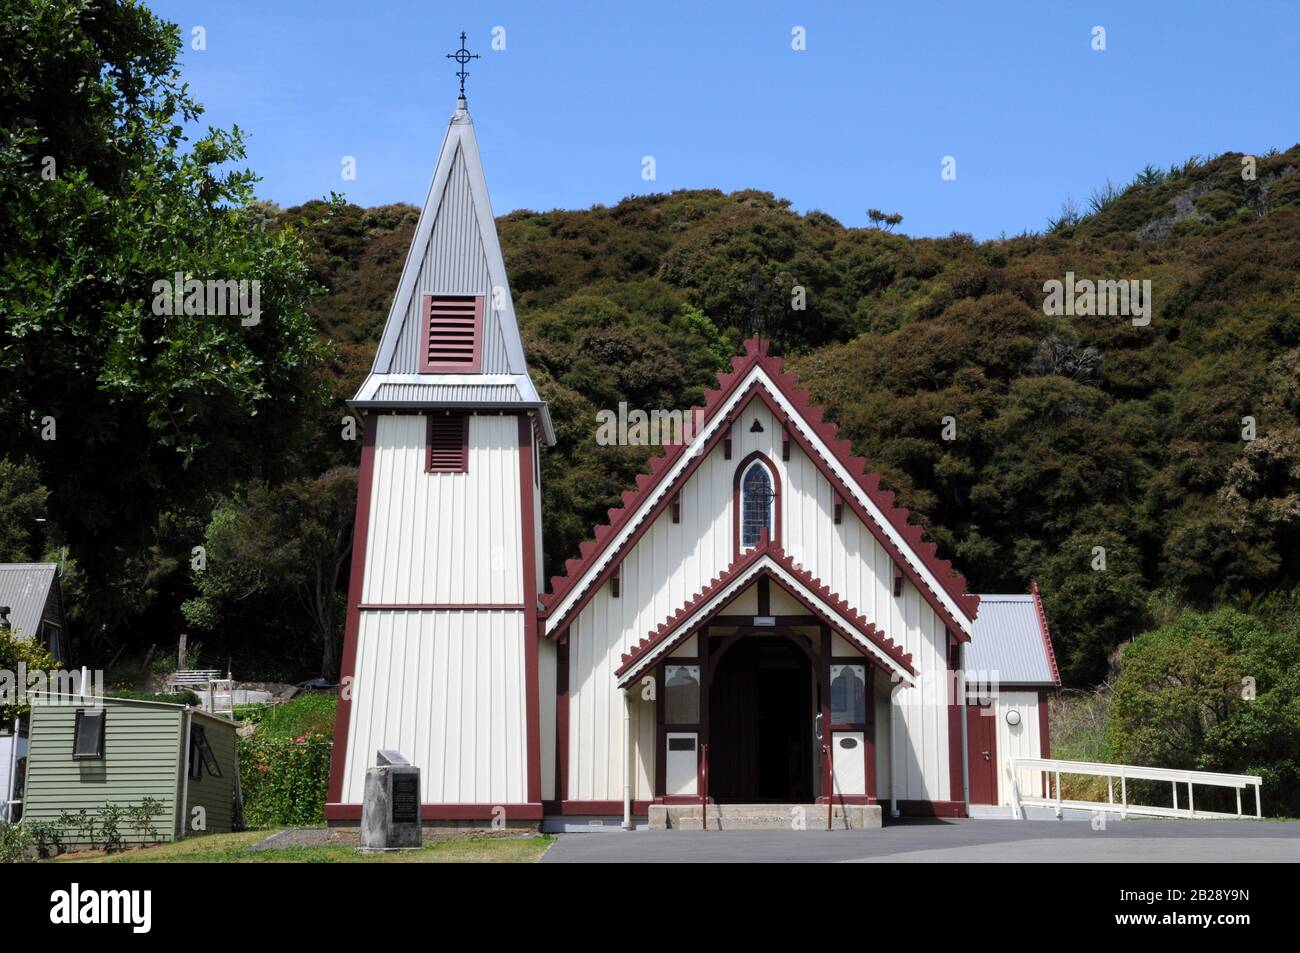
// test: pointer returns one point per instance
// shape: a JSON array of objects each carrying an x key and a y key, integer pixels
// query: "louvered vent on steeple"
[
  {"x": 453, "y": 334},
  {"x": 448, "y": 444}
]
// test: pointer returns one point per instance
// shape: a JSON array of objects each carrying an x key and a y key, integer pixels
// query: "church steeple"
[{"x": 451, "y": 340}]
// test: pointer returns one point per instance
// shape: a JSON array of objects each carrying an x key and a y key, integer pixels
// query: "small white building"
[{"x": 757, "y": 622}]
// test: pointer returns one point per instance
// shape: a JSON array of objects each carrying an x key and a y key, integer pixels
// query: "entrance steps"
[{"x": 764, "y": 817}]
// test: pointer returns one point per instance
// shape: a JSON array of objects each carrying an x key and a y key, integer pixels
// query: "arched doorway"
[{"x": 761, "y": 703}]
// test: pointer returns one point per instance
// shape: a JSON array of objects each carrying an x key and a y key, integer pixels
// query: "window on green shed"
[
  {"x": 88, "y": 735},
  {"x": 201, "y": 756}
]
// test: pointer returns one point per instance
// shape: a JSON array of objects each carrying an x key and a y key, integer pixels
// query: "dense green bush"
[
  {"x": 284, "y": 782},
  {"x": 1216, "y": 691},
  {"x": 14, "y": 843},
  {"x": 310, "y": 715}
]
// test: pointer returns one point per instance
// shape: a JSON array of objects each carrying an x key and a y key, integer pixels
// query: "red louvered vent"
[
  {"x": 453, "y": 334},
  {"x": 448, "y": 444}
]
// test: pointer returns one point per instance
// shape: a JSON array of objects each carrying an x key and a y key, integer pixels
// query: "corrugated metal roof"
[
  {"x": 1008, "y": 643},
  {"x": 448, "y": 394},
  {"x": 24, "y": 588}
]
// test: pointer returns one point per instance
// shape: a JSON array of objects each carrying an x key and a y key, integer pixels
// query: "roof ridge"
[
  {"x": 857, "y": 467},
  {"x": 1043, "y": 629}
]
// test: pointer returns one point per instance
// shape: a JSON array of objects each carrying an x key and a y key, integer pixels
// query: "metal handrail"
[{"x": 1053, "y": 768}]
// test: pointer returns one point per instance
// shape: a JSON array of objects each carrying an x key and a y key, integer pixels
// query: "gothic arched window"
[{"x": 756, "y": 498}]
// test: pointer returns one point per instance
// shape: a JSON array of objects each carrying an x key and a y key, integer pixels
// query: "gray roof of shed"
[
  {"x": 25, "y": 588},
  {"x": 1010, "y": 642}
]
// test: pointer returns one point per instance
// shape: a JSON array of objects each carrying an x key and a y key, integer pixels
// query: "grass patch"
[
  {"x": 1078, "y": 729},
  {"x": 236, "y": 848},
  {"x": 305, "y": 717}
]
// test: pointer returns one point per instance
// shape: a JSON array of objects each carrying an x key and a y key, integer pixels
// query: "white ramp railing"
[{"x": 1051, "y": 769}]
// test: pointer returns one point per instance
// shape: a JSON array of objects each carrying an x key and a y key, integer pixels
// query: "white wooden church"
[{"x": 757, "y": 623}]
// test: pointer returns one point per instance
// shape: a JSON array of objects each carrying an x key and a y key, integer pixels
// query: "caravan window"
[
  {"x": 201, "y": 755},
  {"x": 88, "y": 736}
]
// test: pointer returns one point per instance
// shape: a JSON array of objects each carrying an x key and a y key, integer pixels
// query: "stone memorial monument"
[{"x": 390, "y": 814}]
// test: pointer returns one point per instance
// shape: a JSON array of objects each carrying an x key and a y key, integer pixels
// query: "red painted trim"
[
  {"x": 956, "y": 790},
  {"x": 756, "y": 354},
  {"x": 461, "y": 368},
  {"x": 532, "y": 689},
  {"x": 562, "y": 720},
  {"x": 1044, "y": 726},
  {"x": 760, "y": 456},
  {"x": 845, "y": 615},
  {"x": 352, "y": 622},
  {"x": 442, "y": 606},
  {"x": 932, "y": 808},
  {"x": 447, "y": 812},
  {"x": 1046, "y": 634},
  {"x": 870, "y": 736}
]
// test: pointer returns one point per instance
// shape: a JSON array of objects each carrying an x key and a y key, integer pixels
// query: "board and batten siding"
[
  {"x": 672, "y": 562},
  {"x": 447, "y": 690},
  {"x": 142, "y": 745},
  {"x": 444, "y": 684},
  {"x": 444, "y": 538},
  {"x": 1018, "y": 741}
]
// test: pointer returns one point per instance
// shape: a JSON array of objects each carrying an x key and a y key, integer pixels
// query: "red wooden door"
[{"x": 981, "y": 732}]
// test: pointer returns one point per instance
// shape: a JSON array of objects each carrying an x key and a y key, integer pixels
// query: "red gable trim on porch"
[
  {"x": 1047, "y": 635},
  {"x": 591, "y": 551},
  {"x": 756, "y": 563}
]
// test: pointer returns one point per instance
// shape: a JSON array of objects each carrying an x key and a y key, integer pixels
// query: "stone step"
[{"x": 753, "y": 817}]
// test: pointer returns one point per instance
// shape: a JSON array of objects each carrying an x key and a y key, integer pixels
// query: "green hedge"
[{"x": 284, "y": 782}]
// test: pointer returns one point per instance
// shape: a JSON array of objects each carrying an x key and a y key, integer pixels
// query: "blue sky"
[{"x": 862, "y": 118}]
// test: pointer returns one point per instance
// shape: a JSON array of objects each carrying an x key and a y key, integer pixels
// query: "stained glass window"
[{"x": 756, "y": 505}]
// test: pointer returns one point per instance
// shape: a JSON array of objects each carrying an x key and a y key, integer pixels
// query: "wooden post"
[{"x": 180, "y": 652}]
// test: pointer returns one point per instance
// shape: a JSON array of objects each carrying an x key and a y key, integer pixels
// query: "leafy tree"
[
  {"x": 281, "y": 544},
  {"x": 22, "y": 503},
  {"x": 126, "y": 412},
  {"x": 1217, "y": 691},
  {"x": 19, "y": 648}
]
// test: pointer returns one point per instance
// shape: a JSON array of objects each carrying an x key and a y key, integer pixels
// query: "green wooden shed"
[{"x": 92, "y": 752}]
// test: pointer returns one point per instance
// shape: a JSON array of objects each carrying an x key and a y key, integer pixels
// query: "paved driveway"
[{"x": 948, "y": 841}]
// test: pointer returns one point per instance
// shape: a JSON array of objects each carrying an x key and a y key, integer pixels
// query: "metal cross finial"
[{"x": 462, "y": 56}]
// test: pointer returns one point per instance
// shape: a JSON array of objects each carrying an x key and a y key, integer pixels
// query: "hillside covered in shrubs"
[{"x": 1072, "y": 433}]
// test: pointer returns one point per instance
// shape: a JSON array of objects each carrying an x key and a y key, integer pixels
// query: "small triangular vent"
[{"x": 453, "y": 334}]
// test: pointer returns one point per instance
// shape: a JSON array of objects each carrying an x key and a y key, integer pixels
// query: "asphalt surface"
[{"x": 959, "y": 841}]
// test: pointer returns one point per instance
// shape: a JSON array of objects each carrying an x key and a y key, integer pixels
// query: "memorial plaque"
[
  {"x": 406, "y": 799},
  {"x": 390, "y": 809}
]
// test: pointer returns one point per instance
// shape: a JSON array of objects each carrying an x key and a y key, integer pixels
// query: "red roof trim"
[
  {"x": 756, "y": 355},
  {"x": 1047, "y": 635},
  {"x": 846, "y": 616}
]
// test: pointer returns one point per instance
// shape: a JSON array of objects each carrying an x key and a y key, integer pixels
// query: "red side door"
[{"x": 981, "y": 733}]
